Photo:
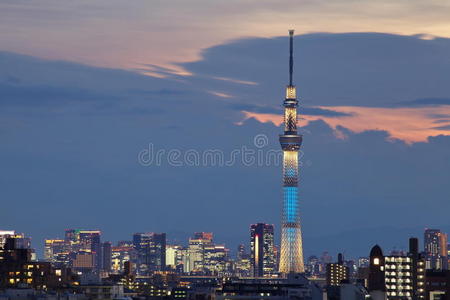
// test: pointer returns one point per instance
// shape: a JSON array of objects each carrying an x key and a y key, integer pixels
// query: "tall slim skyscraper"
[
  {"x": 435, "y": 244},
  {"x": 262, "y": 254},
  {"x": 418, "y": 269},
  {"x": 291, "y": 256},
  {"x": 106, "y": 256}
]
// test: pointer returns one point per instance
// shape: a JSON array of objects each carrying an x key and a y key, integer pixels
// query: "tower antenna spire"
[{"x": 291, "y": 55}]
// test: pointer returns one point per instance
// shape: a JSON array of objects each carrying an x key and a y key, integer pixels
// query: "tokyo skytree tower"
[{"x": 291, "y": 256}]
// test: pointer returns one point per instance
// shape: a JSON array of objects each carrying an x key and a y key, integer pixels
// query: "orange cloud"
[{"x": 407, "y": 124}]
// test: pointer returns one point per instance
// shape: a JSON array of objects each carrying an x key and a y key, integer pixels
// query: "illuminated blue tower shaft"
[{"x": 291, "y": 256}]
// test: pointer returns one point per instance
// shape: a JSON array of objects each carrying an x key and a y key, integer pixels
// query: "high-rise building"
[
  {"x": 20, "y": 241},
  {"x": 83, "y": 262},
  {"x": 435, "y": 244},
  {"x": 203, "y": 256},
  {"x": 376, "y": 283},
  {"x": 291, "y": 256},
  {"x": 241, "y": 252},
  {"x": 336, "y": 273},
  {"x": 151, "y": 250},
  {"x": 4, "y": 234},
  {"x": 121, "y": 255},
  {"x": 313, "y": 266},
  {"x": 398, "y": 277},
  {"x": 417, "y": 269},
  {"x": 53, "y": 248},
  {"x": 174, "y": 256},
  {"x": 437, "y": 285},
  {"x": 242, "y": 265},
  {"x": 215, "y": 259},
  {"x": 106, "y": 256},
  {"x": 262, "y": 252},
  {"x": 85, "y": 242},
  {"x": 195, "y": 254},
  {"x": 17, "y": 269}
]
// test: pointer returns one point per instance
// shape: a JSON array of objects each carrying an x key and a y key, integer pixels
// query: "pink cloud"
[{"x": 407, "y": 124}]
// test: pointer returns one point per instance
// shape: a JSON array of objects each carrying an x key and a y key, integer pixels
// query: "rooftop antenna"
[{"x": 291, "y": 55}]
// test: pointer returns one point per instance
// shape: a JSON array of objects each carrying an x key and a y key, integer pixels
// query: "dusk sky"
[{"x": 85, "y": 86}]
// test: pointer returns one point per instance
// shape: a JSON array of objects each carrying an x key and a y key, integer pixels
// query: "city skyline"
[
  {"x": 77, "y": 112},
  {"x": 260, "y": 242},
  {"x": 261, "y": 251},
  {"x": 83, "y": 264}
]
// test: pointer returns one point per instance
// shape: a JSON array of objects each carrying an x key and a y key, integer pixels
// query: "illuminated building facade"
[
  {"x": 202, "y": 256},
  {"x": 18, "y": 269},
  {"x": 243, "y": 268},
  {"x": 418, "y": 269},
  {"x": 399, "y": 277},
  {"x": 174, "y": 257},
  {"x": 57, "y": 252},
  {"x": 242, "y": 265},
  {"x": 86, "y": 243},
  {"x": 291, "y": 256},
  {"x": 120, "y": 255},
  {"x": 20, "y": 241},
  {"x": 4, "y": 234},
  {"x": 52, "y": 249},
  {"x": 337, "y": 273},
  {"x": 83, "y": 262},
  {"x": 194, "y": 260},
  {"x": 82, "y": 240},
  {"x": 436, "y": 255},
  {"x": 262, "y": 250},
  {"x": 313, "y": 266},
  {"x": 363, "y": 262},
  {"x": 241, "y": 253},
  {"x": 151, "y": 251},
  {"x": 215, "y": 259}
]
